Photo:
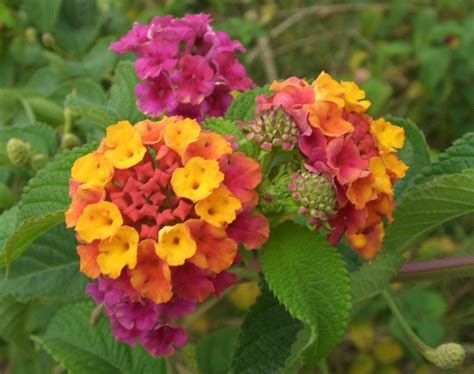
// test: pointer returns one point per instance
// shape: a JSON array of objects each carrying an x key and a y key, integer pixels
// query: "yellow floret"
[
  {"x": 180, "y": 134},
  {"x": 219, "y": 208},
  {"x": 124, "y": 145},
  {"x": 175, "y": 244},
  {"x": 92, "y": 170},
  {"x": 98, "y": 221}
]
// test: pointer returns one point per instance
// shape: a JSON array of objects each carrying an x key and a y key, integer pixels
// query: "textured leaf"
[
  {"x": 8, "y": 221},
  {"x": 213, "y": 352},
  {"x": 243, "y": 106},
  {"x": 122, "y": 93},
  {"x": 266, "y": 338},
  {"x": 42, "y": 203},
  {"x": 414, "y": 154},
  {"x": 458, "y": 157},
  {"x": 12, "y": 320},
  {"x": 310, "y": 278},
  {"x": 421, "y": 210},
  {"x": 49, "y": 270},
  {"x": 99, "y": 115},
  {"x": 83, "y": 348},
  {"x": 41, "y": 137}
]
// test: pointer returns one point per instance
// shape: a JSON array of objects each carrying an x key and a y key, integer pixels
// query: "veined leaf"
[
  {"x": 458, "y": 157},
  {"x": 421, "y": 210},
  {"x": 122, "y": 93},
  {"x": 41, "y": 137},
  {"x": 267, "y": 335},
  {"x": 42, "y": 203},
  {"x": 243, "y": 106},
  {"x": 310, "y": 278},
  {"x": 49, "y": 270},
  {"x": 83, "y": 348},
  {"x": 213, "y": 352}
]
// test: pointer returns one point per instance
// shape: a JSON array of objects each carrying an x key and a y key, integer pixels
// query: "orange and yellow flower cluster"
[
  {"x": 164, "y": 205},
  {"x": 355, "y": 152}
]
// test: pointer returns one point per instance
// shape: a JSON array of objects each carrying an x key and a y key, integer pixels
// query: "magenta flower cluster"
[
  {"x": 186, "y": 68},
  {"x": 132, "y": 318}
]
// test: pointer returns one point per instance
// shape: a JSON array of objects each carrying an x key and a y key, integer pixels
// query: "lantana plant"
[{"x": 198, "y": 180}]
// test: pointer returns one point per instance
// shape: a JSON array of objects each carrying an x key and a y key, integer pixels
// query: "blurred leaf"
[
  {"x": 414, "y": 153},
  {"x": 122, "y": 93},
  {"x": 6, "y": 16},
  {"x": 43, "y": 81},
  {"x": 84, "y": 88},
  {"x": 419, "y": 211},
  {"x": 78, "y": 25},
  {"x": 267, "y": 335},
  {"x": 42, "y": 203},
  {"x": 434, "y": 65},
  {"x": 49, "y": 270},
  {"x": 423, "y": 24},
  {"x": 12, "y": 320},
  {"x": 310, "y": 278},
  {"x": 379, "y": 92},
  {"x": 43, "y": 13},
  {"x": 46, "y": 110},
  {"x": 99, "y": 115},
  {"x": 90, "y": 349},
  {"x": 370, "y": 19},
  {"x": 458, "y": 157},
  {"x": 213, "y": 352},
  {"x": 41, "y": 137}
]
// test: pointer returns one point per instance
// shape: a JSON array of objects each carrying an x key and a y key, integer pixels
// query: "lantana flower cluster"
[
  {"x": 351, "y": 151},
  {"x": 185, "y": 67},
  {"x": 159, "y": 210}
]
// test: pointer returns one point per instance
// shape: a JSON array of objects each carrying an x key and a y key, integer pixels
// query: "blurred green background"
[{"x": 415, "y": 59}]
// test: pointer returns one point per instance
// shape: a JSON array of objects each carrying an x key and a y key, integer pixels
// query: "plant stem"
[
  {"x": 451, "y": 267},
  {"x": 422, "y": 347}
]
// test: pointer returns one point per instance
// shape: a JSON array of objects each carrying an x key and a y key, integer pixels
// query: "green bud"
[
  {"x": 69, "y": 141},
  {"x": 18, "y": 151},
  {"x": 31, "y": 34},
  {"x": 446, "y": 356},
  {"x": 39, "y": 161},
  {"x": 48, "y": 40}
]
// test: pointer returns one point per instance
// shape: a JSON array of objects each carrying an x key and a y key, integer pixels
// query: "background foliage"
[{"x": 59, "y": 86}]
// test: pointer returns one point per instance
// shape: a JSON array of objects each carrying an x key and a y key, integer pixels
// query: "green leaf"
[
  {"x": 43, "y": 13},
  {"x": 49, "y": 270},
  {"x": 41, "y": 137},
  {"x": 99, "y": 115},
  {"x": 310, "y": 278},
  {"x": 86, "y": 349},
  {"x": 267, "y": 335},
  {"x": 42, "y": 203},
  {"x": 46, "y": 110},
  {"x": 434, "y": 65},
  {"x": 8, "y": 221},
  {"x": 414, "y": 153},
  {"x": 421, "y": 210},
  {"x": 458, "y": 157},
  {"x": 379, "y": 92},
  {"x": 243, "y": 106},
  {"x": 12, "y": 321},
  {"x": 78, "y": 25},
  {"x": 122, "y": 93},
  {"x": 213, "y": 352}
]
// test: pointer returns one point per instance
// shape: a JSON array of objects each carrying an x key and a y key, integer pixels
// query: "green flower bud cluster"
[
  {"x": 272, "y": 128},
  {"x": 315, "y": 196},
  {"x": 18, "y": 152},
  {"x": 446, "y": 356}
]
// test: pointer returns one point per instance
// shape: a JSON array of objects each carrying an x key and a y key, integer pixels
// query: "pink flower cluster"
[{"x": 186, "y": 67}]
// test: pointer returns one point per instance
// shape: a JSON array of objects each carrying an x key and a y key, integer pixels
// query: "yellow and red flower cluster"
[
  {"x": 355, "y": 152},
  {"x": 164, "y": 205}
]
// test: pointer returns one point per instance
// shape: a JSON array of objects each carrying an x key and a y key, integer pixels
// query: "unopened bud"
[
  {"x": 31, "y": 34},
  {"x": 446, "y": 356},
  {"x": 69, "y": 141},
  {"x": 18, "y": 151},
  {"x": 48, "y": 40},
  {"x": 315, "y": 195},
  {"x": 272, "y": 129}
]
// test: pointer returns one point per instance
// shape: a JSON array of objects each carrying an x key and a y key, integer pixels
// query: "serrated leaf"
[
  {"x": 42, "y": 203},
  {"x": 83, "y": 348},
  {"x": 267, "y": 335},
  {"x": 458, "y": 157},
  {"x": 122, "y": 93},
  {"x": 99, "y": 115},
  {"x": 414, "y": 153},
  {"x": 243, "y": 106},
  {"x": 213, "y": 352},
  {"x": 41, "y": 137},
  {"x": 49, "y": 270},
  {"x": 310, "y": 278},
  {"x": 421, "y": 210}
]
